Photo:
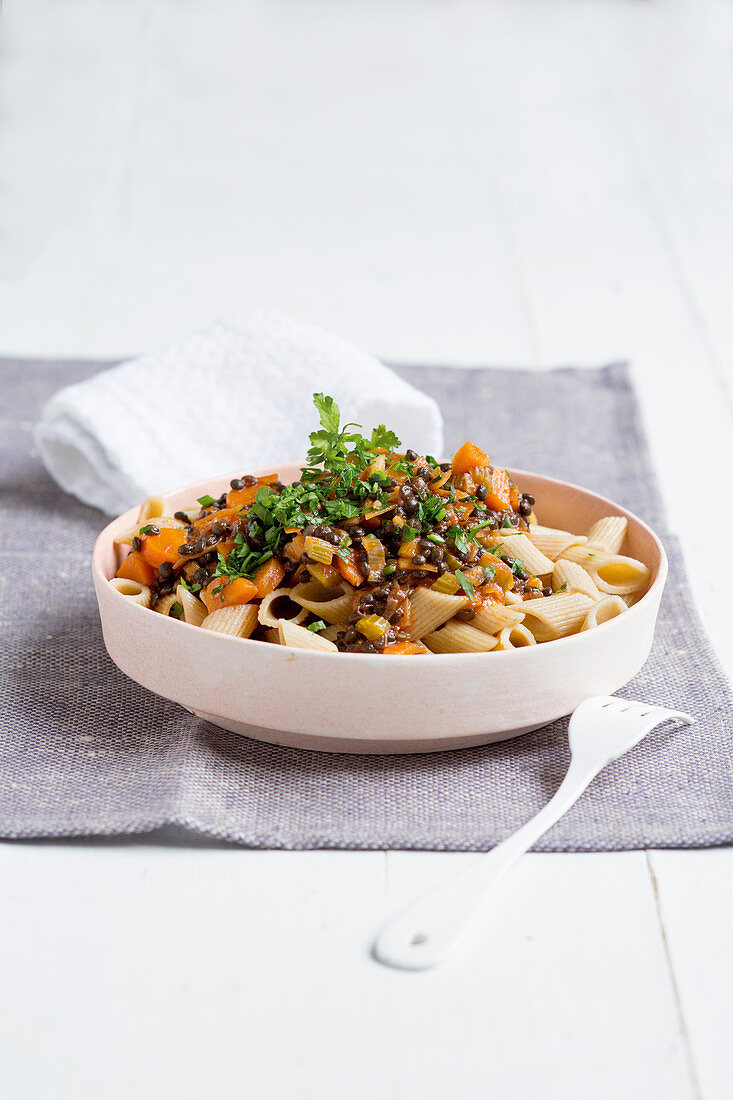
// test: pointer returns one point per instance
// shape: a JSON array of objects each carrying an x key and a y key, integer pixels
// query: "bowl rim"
[{"x": 571, "y": 640}]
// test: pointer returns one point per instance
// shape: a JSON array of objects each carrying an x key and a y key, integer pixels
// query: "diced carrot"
[
  {"x": 403, "y": 648},
  {"x": 163, "y": 547},
  {"x": 348, "y": 570},
  {"x": 135, "y": 568},
  {"x": 223, "y": 515},
  {"x": 268, "y": 576},
  {"x": 294, "y": 549},
  {"x": 225, "y": 591},
  {"x": 499, "y": 486},
  {"x": 468, "y": 457},
  {"x": 241, "y": 498}
]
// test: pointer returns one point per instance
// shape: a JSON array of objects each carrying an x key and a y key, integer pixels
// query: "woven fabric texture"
[{"x": 83, "y": 750}]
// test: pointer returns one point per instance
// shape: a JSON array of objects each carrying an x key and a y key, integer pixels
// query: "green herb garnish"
[
  {"x": 465, "y": 584},
  {"x": 316, "y": 626},
  {"x": 409, "y": 533},
  {"x": 176, "y": 610},
  {"x": 206, "y": 501}
]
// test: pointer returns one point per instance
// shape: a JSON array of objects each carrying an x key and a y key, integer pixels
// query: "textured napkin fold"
[{"x": 236, "y": 396}]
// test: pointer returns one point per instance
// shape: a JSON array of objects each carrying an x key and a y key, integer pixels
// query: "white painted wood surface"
[{"x": 478, "y": 182}]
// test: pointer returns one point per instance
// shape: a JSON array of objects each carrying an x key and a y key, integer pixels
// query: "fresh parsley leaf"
[
  {"x": 206, "y": 501},
  {"x": 148, "y": 528},
  {"x": 507, "y": 522},
  {"x": 316, "y": 626},
  {"x": 189, "y": 587},
  {"x": 431, "y": 461},
  {"x": 458, "y": 538},
  {"x": 465, "y": 584},
  {"x": 383, "y": 437},
  {"x": 489, "y": 572},
  {"x": 409, "y": 533},
  {"x": 479, "y": 527},
  {"x": 436, "y": 538},
  {"x": 176, "y": 610},
  {"x": 328, "y": 411}
]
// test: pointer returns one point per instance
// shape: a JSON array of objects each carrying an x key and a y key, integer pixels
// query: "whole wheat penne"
[
  {"x": 607, "y": 608},
  {"x": 238, "y": 620},
  {"x": 152, "y": 508},
  {"x": 165, "y": 603},
  {"x": 275, "y": 604},
  {"x": 299, "y": 638},
  {"x": 618, "y": 575},
  {"x": 431, "y": 609},
  {"x": 523, "y": 549},
  {"x": 194, "y": 611},
  {"x": 608, "y": 533},
  {"x": 515, "y": 637},
  {"x": 493, "y": 617},
  {"x": 569, "y": 576},
  {"x": 551, "y": 541},
  {"x": 556, "y": 616},
  {"x": 457, "y": 637},
  {"x": 132, "y": 591},
  {"x": 322, "y": 602}
]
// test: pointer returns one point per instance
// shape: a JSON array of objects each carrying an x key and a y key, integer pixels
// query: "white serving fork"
[{"x": 425, "y": 933}]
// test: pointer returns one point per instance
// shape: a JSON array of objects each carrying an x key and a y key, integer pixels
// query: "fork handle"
[{"x": 429, "y": 929}]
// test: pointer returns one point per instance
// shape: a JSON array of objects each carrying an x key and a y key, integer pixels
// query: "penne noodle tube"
[
  {"x": 238, "y": 620},
  {"x": 272, "y": 635},
  {"x": 493, "y": 617},
  {"x": 153, "y": 508},
  {"x": 608, "y": 534},
  {"x": 551, "y": 541},
  {"x": 515, "y": 637},
  {"x": 322, "y": 602},
  {"x": 572, "y": 577},
  {"x": 299, "y": 638},
  {"x": 619, "y": 576},
  {"x": 607, "y": 608},
  {"x": 431, "y": 609},
  {"x": 524, "y": 549},
  {"x": 277, "y": 605},
  {"x": 194, "y": 611},
  {"x": 132, "y": 590},
  {"x": 512, "y": 599},
  {"x": 165, "y": 603},
  {"x": 556, "y": 616},
  {"x": 459, "y": 638}
]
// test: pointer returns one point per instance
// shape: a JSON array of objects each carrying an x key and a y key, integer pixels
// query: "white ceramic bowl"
[{"x": 364, "y": 703}]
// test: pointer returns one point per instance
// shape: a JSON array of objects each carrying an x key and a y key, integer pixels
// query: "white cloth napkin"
[{"x": 229, "y": 399}]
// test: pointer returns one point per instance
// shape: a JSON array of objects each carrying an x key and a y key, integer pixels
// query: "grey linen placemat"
[{"x": 86, "y": 751}]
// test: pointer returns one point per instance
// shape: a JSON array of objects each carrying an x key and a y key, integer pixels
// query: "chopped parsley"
[
  {"x": 489, "y": 572},
  {"x": 316, "y": 626},
  {"x": 409, "y": 533},
  {"x": 176, "y": 610},
  {"x": 206, "y": 501},
  {"x": 465, "y": 584}
]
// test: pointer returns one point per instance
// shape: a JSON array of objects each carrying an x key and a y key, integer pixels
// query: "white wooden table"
[{"x": 539, "y": 182}]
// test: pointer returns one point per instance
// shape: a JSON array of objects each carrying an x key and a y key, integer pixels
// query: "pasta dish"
[{"x": 377, "y": 550}]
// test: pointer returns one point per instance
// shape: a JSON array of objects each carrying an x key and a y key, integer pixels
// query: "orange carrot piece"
[
  {"x": 499, "y": 486},
  {"x": 135, "y": 568},
  {"x": 226, "y": 591},
  {"x": 163, "y": 547},
  {"x": 268, "y": 576},
  {"x": 468, "y": 457},
  {"x": 348, "y": 570},
  {"x": 402, "y": 648},
  {"x": 241, "y": 498},
  {"x": 294, "y": 549}
]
